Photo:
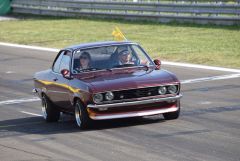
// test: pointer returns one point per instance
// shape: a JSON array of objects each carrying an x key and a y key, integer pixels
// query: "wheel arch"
[
  {"x": 75, "y": 99},
  {"x": 41, "y": 94}
]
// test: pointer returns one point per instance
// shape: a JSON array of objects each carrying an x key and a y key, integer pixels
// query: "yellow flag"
[{"x": 118, "y": 35}]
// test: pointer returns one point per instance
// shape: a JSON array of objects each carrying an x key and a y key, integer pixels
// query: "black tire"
[
  {"x": 81, "y": 116},
  {"x": 49, "y": 111},
  {"x": 172, "y": 115}
]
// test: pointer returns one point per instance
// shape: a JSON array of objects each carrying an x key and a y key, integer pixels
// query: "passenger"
[
  {"x": 85, "y": 60},
  {"x": 124, "y": 58}
]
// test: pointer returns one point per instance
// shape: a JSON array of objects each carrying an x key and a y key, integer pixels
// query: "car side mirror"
[
  {"x": 158, "y": 64},
  {"x": 65, "y": 73}
]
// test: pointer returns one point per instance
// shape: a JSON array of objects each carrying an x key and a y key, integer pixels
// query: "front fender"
[{"x": 80, "y": 90}]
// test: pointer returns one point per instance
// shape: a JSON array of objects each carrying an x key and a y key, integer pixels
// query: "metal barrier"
[{"x": 216, "y": 12}]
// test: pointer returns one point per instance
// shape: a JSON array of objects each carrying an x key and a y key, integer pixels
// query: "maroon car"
[{"x": 107, "y": 80}]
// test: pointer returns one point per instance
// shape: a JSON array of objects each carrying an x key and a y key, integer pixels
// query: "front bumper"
[
  {"x": 145, "y": 112},
  {"x": 140, "y": 102}
]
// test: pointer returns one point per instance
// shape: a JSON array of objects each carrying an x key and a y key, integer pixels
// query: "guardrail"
[{"x": 216, "y": 12}]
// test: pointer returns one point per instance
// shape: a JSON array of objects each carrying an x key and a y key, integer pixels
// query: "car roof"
[{"x": 97, "y": 44}]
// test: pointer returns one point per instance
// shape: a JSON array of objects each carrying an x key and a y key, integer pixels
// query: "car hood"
[{"x": 126, "y": 79}]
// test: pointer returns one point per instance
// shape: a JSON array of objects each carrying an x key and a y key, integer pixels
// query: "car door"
[
  {"x": 60, "y": 89},
  {"x": 51, "y": 87}
]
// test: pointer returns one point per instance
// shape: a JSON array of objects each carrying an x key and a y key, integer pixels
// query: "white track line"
[
  {"x": 201, "y": 67},
  {"x": 29, "y": 47},
  {"x": 30, "y": 113},
  {"x": 221, "y": 77},
  {"x": 163, "y": 62},
  {"x": 17, "y": 101}
]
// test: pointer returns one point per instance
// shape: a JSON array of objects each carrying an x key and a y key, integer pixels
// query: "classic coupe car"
[{"x": 107, "y": 80}]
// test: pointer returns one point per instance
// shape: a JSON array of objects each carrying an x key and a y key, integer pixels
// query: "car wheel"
[
  {"x": 81, "y": 116},
  {"x": 49, "y": 111},
  {"x": 172, "y": 115}
]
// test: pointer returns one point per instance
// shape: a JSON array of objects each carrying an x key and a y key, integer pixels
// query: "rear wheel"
[
  {"x": 172, "y": 115},
  {"x": 81, "y": 116},
  {"x": 49, "y": 111}
]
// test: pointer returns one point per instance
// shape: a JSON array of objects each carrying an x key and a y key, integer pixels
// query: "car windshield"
[{"x": 108, "y": 57}]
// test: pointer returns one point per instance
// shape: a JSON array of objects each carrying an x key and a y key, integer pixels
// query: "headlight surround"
[
  {"x": 97, "y": 98},
  {"x": 172, "y": 89},
  {"x": 109, "y": 96},
  {"x": 162, "y": 90}
]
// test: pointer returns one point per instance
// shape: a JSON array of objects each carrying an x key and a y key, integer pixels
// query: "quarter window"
[
  {"x": 65, "y": 63},
  {"x": 62, "y": 62},
  {"x": 57, "y": 63}
]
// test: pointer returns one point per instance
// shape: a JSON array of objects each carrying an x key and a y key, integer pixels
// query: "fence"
[{"x": 215, "y": 12}]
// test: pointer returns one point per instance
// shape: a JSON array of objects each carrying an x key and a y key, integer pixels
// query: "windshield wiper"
[
  {"x": 144, "y": 66},
  {"x": 124, "y": 65},
  {"x": 108, "y": 69},
  {"x": 89, "y": 69}
]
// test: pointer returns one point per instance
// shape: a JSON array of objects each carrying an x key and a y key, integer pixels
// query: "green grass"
[{"x": 211, "y": 45}]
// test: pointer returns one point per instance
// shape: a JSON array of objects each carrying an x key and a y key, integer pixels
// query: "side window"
[
  {"x": 65, "y": 63},
  {"x": 57, "y": 62}
]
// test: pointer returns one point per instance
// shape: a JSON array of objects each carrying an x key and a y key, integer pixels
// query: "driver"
[
  {"x": 124, "y": 58},
  {"x": 85, "y": 60}
]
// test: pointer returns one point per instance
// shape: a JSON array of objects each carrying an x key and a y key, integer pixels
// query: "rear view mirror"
[
  {"x": 65, "y": 73},
  {"x": 158, "y": 64}
]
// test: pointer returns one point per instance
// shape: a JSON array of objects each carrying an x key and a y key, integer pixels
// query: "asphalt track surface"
[{"x": 208, "y": 128}]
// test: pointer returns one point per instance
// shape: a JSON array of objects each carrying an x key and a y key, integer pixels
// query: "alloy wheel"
[
  {"x": 44, "y": 108},
  {"x": 78, "y": 115}
]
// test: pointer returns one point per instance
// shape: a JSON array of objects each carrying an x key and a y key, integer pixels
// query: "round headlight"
[
  {"x": 97, "y": 98},
  {"x": 172, "y": 89},
  {"x": 109, "y": 96},
  {"x": 162, "y": 90}
]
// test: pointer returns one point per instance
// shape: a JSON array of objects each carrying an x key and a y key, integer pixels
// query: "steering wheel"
[{"x": 76, "y": 71}]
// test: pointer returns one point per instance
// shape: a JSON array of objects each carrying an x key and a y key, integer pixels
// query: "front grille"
[{"x": 135, "y": 93}]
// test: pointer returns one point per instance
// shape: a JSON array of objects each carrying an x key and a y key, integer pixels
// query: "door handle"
[{"x": 55, "y": 79}]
